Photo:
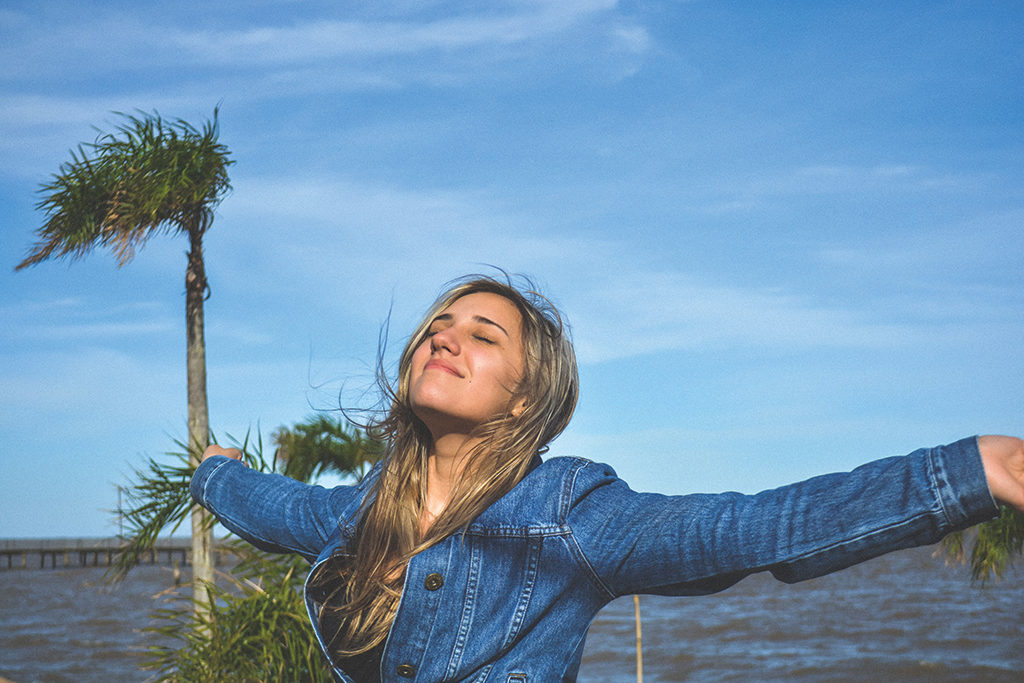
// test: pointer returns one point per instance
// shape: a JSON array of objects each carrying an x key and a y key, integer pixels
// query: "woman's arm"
[
  {"x": 273, "y": 512},
  {"x": 640, "y": 542}
]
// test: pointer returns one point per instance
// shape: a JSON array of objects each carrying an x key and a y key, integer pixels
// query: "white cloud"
[
  {"x": 847, "y": 178},
  {"x": 87, "y": 387},
  {"x": 146, "y": 41},
  {"x": 36, "y": 111},
  {"x": 987, "y": 242},
  {"x": 745, "y": 192},
  {"x": 38, "y": 130},
  {"x": 404, "y": 238},
  {"x": 64, "y": 75},
  {"x": 98, "y": 330},
  {"x": 388, "y": 235},
  {"x": 644, "y": 312},
  {"x": 320, "y": 40},
  {"x": 87, "y": 320}
]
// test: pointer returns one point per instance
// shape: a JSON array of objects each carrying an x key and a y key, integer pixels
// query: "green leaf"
[{"x": 994, "y": 545}]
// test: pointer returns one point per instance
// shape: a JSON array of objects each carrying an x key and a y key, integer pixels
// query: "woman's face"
[{"x": 467, "y": 369}]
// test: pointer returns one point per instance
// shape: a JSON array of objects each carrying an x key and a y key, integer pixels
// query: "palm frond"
[
  {"x": 157, "y": 501},
  {"x": 994, "y": 545},
  {"x": 148, "y": 177},
  {"x": 322, "y": 444}
]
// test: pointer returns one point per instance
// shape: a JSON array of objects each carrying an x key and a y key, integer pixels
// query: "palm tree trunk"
[
  {"x": 639, "y": 641},
  {"x": 198, "y": 413}
]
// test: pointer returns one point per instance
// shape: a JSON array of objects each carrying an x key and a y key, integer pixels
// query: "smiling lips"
[{"x": 438, "y": 364}]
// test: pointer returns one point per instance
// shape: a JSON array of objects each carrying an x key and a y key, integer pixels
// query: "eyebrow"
[{"x": 447, "y": 317}]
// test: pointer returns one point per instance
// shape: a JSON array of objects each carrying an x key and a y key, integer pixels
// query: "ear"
[{"x": 518, "y": 406}]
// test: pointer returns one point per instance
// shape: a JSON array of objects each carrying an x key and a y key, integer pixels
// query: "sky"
[{"x": 787, "y": 236}]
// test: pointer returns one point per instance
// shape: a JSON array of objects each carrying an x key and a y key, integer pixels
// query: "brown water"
[
  {"x": 905, "y": 617},
  {"x": 70, "y": 625}
]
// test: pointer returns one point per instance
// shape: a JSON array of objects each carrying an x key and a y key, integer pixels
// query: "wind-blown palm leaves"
[
  {"x": 994, "y": 545},
  {"x": 321, "y": 445},
  {"x": 150, "y": 176}
]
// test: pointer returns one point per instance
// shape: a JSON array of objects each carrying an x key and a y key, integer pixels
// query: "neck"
[{"x": 444, "y": 469}]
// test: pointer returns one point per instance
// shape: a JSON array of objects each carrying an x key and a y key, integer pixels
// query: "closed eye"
[{"x": 483, "y": 339}]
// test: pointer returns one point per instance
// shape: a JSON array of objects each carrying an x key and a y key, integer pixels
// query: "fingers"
[{"x": 214, "y": 449}]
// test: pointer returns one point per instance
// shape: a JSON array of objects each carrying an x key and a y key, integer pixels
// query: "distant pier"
[{"x": 60, "y": 553}]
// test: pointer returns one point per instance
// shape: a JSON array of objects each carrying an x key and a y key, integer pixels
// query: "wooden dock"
[{"x": 60, "y": 553}]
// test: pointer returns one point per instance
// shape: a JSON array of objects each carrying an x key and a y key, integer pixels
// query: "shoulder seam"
[{"x": 586, "y": 567}]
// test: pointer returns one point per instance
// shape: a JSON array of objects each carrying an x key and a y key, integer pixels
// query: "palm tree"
[
  {"x": 150, "y": 176},
  {"x": 322, "y": 444}
]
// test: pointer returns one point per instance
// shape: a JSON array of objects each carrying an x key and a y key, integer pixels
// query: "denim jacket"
[{"x": 511, "y": 598}]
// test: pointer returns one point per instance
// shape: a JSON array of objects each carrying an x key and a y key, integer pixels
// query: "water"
[
  {"x": 904, "y": 617},
  {"x": 61, "y": 625}
]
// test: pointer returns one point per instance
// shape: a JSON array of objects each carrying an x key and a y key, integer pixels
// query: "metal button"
[
  {"x": 433, "y": 581},
  {"x": 406, "y": 670}
]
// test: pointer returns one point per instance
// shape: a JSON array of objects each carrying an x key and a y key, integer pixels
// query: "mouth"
[{"x": 438, "y": 364}]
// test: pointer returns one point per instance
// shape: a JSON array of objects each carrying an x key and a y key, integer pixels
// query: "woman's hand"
[
  {"x": 214, "y": 449},
  {"x": 1003, "y": 458}
]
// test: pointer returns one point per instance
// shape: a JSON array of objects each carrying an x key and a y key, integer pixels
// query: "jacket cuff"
[
  {"x": 959, "y": 480},
  {"x": 201, "y": 477}
]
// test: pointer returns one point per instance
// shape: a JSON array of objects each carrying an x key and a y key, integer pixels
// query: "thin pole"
[{"x": 639, "y": 641}]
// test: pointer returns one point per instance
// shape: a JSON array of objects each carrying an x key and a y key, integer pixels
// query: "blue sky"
[{"x": 787, "y": 236}]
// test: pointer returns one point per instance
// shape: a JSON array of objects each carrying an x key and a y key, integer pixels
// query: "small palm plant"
[{"x": 256, "y": 627}]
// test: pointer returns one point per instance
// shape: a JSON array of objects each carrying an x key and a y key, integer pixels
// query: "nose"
[{"x": 447, "y": 339}]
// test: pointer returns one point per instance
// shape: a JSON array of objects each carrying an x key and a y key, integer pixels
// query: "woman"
[{"x": 464, "y": 557}]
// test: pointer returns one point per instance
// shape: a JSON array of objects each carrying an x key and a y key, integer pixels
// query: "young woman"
[{"x": 465, "y": 557}]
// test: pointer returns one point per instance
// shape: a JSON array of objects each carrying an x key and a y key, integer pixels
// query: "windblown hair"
[{"x": 361, "y": 588}]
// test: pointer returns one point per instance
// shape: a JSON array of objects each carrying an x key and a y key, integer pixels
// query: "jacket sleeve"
[
  {"x": 273, "y": 512},
  {"x": 640, "y": 542}
]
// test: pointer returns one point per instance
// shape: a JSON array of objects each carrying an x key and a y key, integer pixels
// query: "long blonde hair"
[{"x": 363, "y": 587}]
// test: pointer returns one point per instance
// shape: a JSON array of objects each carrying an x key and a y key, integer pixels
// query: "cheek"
[
  {"x": 420, "y": 355},
  {"x": 516, "y": 369},
  {"x": 507, "y": 377},
  {"x": 416, "y": 363}
]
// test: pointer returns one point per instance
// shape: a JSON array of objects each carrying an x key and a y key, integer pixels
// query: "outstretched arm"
[
  {"x": 273, "y": 512},
  {"x": 1003, "y": 459},
  {"x": 643, "y": 542}
]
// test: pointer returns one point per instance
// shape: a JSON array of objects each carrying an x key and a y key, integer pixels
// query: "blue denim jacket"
[{"x": 511, "y": 599}]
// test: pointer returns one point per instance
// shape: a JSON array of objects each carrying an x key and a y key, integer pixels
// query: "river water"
[{"x": 903, "y": 617}]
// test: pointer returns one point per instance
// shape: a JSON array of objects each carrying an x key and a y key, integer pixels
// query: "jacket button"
[
  {"x": 406, "y": 670},
  {"x": 433, "y": 582}
]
